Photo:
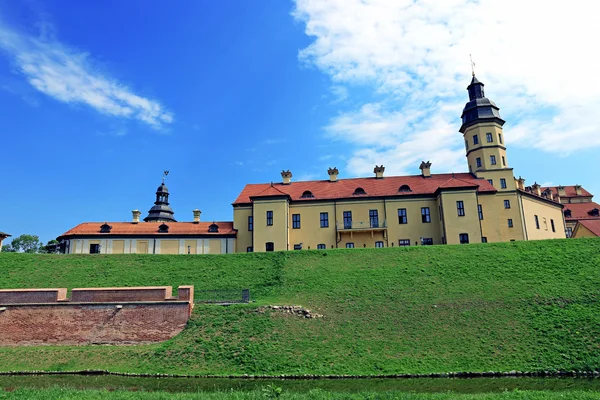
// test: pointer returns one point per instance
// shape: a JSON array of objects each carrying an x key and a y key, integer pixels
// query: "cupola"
[{"x": 161, "y": 211}]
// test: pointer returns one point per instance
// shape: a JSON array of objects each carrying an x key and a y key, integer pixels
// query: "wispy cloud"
[
  {"x": 69, "y": 75},
  {"x": 415, "y": 57}
]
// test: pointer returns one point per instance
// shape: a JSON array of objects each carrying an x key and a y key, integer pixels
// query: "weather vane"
[
  {"x": 472, "y": 65},
  {"x": 165, "y": 173}
]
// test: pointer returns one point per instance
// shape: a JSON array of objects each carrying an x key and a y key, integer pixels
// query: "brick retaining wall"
[{"x": 93, "y": 315}]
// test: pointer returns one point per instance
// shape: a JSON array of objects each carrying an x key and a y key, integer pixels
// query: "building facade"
[
  {"x": 581, "y": 212},
  {"x": 2, "y": 237}
]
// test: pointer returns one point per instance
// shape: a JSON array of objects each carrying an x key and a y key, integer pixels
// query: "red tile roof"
[
  {"x": 592, "y": 224},
  {"x": 151, "y": 228},
  {"x": 581, "y": 210},
  {"x": 344, "y": 188},
  {"x": 569, "y": 191}
]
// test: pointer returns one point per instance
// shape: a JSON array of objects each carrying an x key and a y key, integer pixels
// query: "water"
[{"x": 419, "y": 385}]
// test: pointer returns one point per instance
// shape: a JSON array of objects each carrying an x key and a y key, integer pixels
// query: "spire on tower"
[{"x": 472, "y": 66}]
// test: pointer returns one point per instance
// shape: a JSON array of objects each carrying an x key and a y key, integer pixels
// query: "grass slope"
[{"x": 507, "y": 306}]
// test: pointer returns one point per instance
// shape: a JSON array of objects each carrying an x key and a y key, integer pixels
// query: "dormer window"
[
  {"x": 105, "y": 228},
  {"x": 594, "y": 213},
  {"x": 307, "y": 195},
  {"x": 213, "y": 228},
  {"x": 568, "y": 213},
  {"x": 163, "y": 228},
  {"x": 359, "y": 191},
  {"x": 404, "y": 189}
]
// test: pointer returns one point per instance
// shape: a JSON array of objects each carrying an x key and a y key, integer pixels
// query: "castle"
[{"x": 486, "y": 204}]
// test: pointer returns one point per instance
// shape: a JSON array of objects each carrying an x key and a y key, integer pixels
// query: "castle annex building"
[{"x": 485, "y": 204}]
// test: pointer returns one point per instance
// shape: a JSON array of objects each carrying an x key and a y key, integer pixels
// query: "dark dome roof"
[{"x": 162, "y": 188}]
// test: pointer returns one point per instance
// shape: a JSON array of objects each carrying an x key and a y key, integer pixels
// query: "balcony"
[{"x": 366, "y": 226}]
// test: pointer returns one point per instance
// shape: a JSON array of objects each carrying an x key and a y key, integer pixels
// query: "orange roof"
[
  {"x": 569, "y": 191},
  {"x": 581, "y": 210},
  {"x": 593, "y": 225},
  {"x": 151, "y": 228},
  {"x": 344, "y": 188}
]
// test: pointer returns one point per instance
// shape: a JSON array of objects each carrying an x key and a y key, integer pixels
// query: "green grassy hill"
[{"x": 510, "y": 306}]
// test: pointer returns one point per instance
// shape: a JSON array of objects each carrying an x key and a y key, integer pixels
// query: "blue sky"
[{"x": 98, "y": 98}]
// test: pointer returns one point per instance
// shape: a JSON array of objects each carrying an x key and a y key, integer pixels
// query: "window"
[
  {"x": 307, "y": 195},
  {"x": 347, "y": 219},
  {"x": 404, "y": 242},
  {"x": 213, "y": 228},
  {"x": 491, "y": 182},
  {"x": 460, "y": 208},
  {"x": 500, "y": 138},
  {"x": 510, "y": 223},
  {"x": 379, "y": 244},
  {"x": 502, "y": 183},
  {"x": 250, "y": 223},
  {"x": 569, "y": 231},
  {"x": 249, "y": 249},
  {"x": 324, "y": 220},
  {"x": 94, "y": 248},
  {"x": 425, "y": 216},
  {"x": 480, "y": 211},
  {"x": 295, "y": 221},
  {"x": 466, "y": 144},
  {"x": 463, "y": 238},
  {"x": 269, "y": 246},
  {"x": 163, "y": 228},
  {"x": 594, "y": 212},
  {"x": 483, "y": 239},
  {"x": 359, "y": 191},
  {"x": 489, "y": 137},
  {"x": 506, "y": 203},
  {"x": 475, "y": 139},
  {"x": 552, "y": 225},
  {"x": 404, "y": 189},
  {"x": 493, "y": 160},
  {"x": 537, "y": 222},
  {"x": 373, "y": 219},
  {"x": 350, "y": 245},
  {"x": 321, "y": 246},
  {"x": 298, "y": 246},
  {"x": 503, "y": 161},
  {"x": 426, "y": 241},
  {"x": 269, "y": 218},
  {"x": 402, "y": 218},
  {"x": 567, "y": 213},
  {"x": 478, "y": 161},
  {"x": 105, "y": 228}
]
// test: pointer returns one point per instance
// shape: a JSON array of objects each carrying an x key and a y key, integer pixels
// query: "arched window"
[
  {"x": 105, "y": 228},
  {"x": 307, "y": 195},
  {"x": 359, "y": 191},
  {"x": 213, "y": 228},
  {"x": 163, "y": 228},
  {"x": 404, "y": 189},
  {"x": 568, "y": 213}
]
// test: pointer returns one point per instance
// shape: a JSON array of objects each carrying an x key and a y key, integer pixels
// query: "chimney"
[
  {"x": 521, "y": 183},
  {"x": 578, "y": 190},
  {"x": 287, "y": 177},
  {"x": 136, "y": 216},
  {"x": 197, "y": 215},
  {"x": 548, "y": 194},
  {"x": 333, "y": 174},
  {"x": 379, "y": 171},
  {"x": 561, "y": 191},
  {"x": 425, "y": 168},
  {"x": 536, "y": 189}
]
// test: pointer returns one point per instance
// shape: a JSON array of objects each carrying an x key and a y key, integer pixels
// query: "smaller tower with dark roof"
[{"x": 161, "y": 211}]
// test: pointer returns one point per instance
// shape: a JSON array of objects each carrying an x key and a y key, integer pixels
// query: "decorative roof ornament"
[
  {"x": 472, "y": 66},
  {"x": 165, "y": 174}
]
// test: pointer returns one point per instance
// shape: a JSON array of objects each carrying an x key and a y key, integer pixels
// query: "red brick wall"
[
  {"x": 159, "y": 293},
  {"x": 20, "y": 296},
  {"x": 71, "y": 323}
]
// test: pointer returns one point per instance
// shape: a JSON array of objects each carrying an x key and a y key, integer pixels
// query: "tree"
[
  {"x": 26, "y": 243},
  {"x": 7, "y": 248},
  {"x": 51, "y": 247}
]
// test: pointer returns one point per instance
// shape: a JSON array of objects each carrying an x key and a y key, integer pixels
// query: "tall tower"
[
  {"x": 484, "y": 139},
  {"x": 161, "y": 211}
]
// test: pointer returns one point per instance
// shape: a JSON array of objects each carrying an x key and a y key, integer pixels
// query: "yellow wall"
[
  {"x": 142, "y": 247},
  {"x": 278, "y": 232},
  {"x": 582, "y": 231},
  {"x": 545, "y": 212},
  {"x": 480, "y": 150},
  {"x": 190, "y": 245},
  {"x": 169, "y": 246},
  {"x": 494, "y": 225},
  {"x": 310, "y": 233},
  {"x": 454, "y": 224},
  {"x": 118, "y": 246},
  {"x": 414, "y": 229},
  {"x": 240, "y": 222},
  {"x": 214, "y": 246}
]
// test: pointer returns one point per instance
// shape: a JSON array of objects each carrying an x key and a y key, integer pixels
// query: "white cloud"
[
  {"x": 533, "y": 56},
  {"x": 68, "y": 75}
]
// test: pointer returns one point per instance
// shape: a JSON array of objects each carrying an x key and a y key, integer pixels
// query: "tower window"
[
  {"x": 464, "y": 238},
  {"x": 269, "y": 218},
  {"x": 324, "y": 220},
  {"x": 250, "y": 223},
  {"x": 480, "y": 211},
  {"x": 460, "y": 207},
  {"x": 475, "y": 139},
  {"x": 503, "y": 161},
  {"x": 359, "y": 191},
  {"x": 425, "y": 215},
  {"x": 510, "y": 223},
  {"x": 478, "y": 161},
  {"x": 213, "y": 228},
  {"x": 489, "y": 137},
  {"x": 466, "y": 144},
  {"x": 493, "y": 160},
  {"x": 295, "y": 221},
  {"x": 402, "y": 218},
  {"x": 506, "y": 203},
  {"x": 537, "y": 222},
  {"x": 373, "y": 219},
  {"x": 500, "y": 138},
  {"x": 503, "y": 183}
]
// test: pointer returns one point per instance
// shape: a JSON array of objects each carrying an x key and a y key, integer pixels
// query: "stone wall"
[{"x": 93, "y": 315}]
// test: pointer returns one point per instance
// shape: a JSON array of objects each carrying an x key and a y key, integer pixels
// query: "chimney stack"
[
  {"x": 578, "y": 190},
  {"x": 333, "y": 174},
  {"x": 287, "y": 177},
  {"x": 521, "y": 183},
  {"x": 136, "y": 216},
  {"x": 561, "y": 191},
  {"x": 548, "y": 194},
  {"x": 197, "y": 215},
  {"x": 425, "y": 168},
  {"x": 536, "y": 189},
  {"x": 379, "y": 171}
]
